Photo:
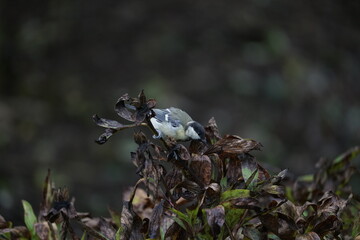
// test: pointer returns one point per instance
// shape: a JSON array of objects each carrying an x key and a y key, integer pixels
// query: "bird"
[{"x": 176, "y": 123}]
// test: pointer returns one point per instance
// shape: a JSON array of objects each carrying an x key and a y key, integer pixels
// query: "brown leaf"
[
  {"x": 212, "y": 131},
  {"x": 140, "y": 138},
  {"x": 331, "y": 204},
  {"x": 246, "y": 203},
  {"x": 197, "y": 147},
  {"x": 329, "y": 223},
  {"x": 47, "y": 196},
  {"x": 217, "y": 166},
  {"x": 216, "y": 218},
  {"x": 232, "y": 144},
  {"x": 131, "y": 223},
  {"x": 279, "y": 226},
  {"x": 308, "y": 236},
  {"x": 201, "y": 168},
  {"x": 175, "y": 232},
  {"x": 105, "y": 136},
  {"x": 107, "y": 123},
  {"x": 4, "y": 223},
  {"x": 122, "y": 107},
  {"x": 141, "y": 204},
  {"x": 17, "y": 232},
  {"x": 134, "y": 109},
  {"x": 106, "y": 229},
  {"x": 279, "y": 177},
  {"x": 42, "y": 230},
  {"x": 233, "y": 172},
  {"x": 173, "y": 178},
  {"x": 155, "y": 220}
]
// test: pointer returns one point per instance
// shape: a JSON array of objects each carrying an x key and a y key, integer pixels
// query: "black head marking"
[{"x": 199, "y": 129}]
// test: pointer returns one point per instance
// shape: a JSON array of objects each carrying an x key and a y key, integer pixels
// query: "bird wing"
[{"x": 173, "y": 115}]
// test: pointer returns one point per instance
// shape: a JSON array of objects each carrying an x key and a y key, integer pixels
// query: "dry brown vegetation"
[{"x": 203, "y": 191}]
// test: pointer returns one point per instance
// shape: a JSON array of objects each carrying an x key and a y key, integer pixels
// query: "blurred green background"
[{"x": 285, "y": 73}]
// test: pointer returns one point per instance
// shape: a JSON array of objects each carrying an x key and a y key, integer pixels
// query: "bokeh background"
[{"x": 285, "y": 73}]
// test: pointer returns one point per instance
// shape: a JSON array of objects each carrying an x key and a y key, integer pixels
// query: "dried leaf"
[
  {"x": 42, "y": 230},
  {"x": 134, "y": 109},
  {"x": 107, "y": 123},
  {"x": 281, "y": 226},
  {"x": 254, "y": 234},
  {"x": 233, "y": 172},
  {"x": 47, "y": 197},
  {"x": 217, "y": 167},
  {"x": 18, "y": 232},
  {"x": 105, "y": 136},
  {"x": 173, "y": 178},
  {"x": 216, "y": 218},
  {"x": 155, "y": 220},
  {"x": 232, "y": 144},
  {"x": 200, "y": 167},
  {"x": 4, "y": 223},
  {"x": 106, "y": 229},
  {"x": 140, "y": 139},
  {"x": 279, "y": 177},
  {"x": 212, "y": 131},
  {"x": 308, "y": 236},
  {"x": 131, "y": 223}
]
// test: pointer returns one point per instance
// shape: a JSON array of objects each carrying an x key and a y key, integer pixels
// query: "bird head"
[{"x": 195, "y": 131}]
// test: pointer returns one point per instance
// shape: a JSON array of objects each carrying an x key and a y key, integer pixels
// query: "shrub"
[{"x": 204, "y": 191}]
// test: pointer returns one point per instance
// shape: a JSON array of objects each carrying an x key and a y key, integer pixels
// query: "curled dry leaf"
[
  {"x": 134, "y": 109},
  {"x": 232, "y": 144},
  {"x": 107, "y": 123}
]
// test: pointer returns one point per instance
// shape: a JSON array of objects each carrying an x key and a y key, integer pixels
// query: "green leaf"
[
  {"x": 236, "y": 193},
  {"x": 83, "y": 236},
  {"x": 341, "y": 161},
  {"x": 181, "y": 215},
  {"x": 180, "y": 222},
  {"x": 29, "y": 218},
  {"x": 6, "y": 236},
  {"x": 252, "y": 180},
  {"x": 356, "y": 229},
  {"x": 246, "y": 173},
  {"x": 232, "y": 216},
  {"x": 306, "y": 178},
  {"x": 116, "y": 217},
  {"x": 223, "y": 183},
  {"x": 119, "y": 233}
]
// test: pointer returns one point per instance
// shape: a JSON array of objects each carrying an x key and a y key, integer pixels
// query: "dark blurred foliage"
[{"x": 285, "y": 73}]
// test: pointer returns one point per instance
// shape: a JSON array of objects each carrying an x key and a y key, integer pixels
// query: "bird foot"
[{"x": 159, "y": 135}]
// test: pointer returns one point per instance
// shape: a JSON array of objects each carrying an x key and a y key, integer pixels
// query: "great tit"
[{"x": 175, "y": 123}]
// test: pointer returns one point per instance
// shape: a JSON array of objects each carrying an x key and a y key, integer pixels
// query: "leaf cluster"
[{"x": 194, "y": 190}]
